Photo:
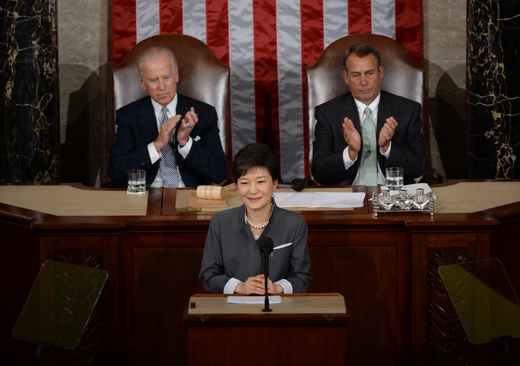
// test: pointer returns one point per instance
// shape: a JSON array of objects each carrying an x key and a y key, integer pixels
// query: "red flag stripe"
[
  {"x": 124, "y": 23},
  {"x": 266, "y": 73},
  {"x": 359, "y": 16},
  {"x": 171, "y": 16},
  {"x": 217, "y": 29},
  {"x": 408, "y": 30}
]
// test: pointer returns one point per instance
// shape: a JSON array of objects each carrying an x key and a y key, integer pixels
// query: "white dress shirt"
[
  {"x": 374, "y": 107},
  {"x": 156, "y": 155}
]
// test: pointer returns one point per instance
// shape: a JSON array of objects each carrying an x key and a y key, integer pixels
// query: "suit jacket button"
[{"x": 142, "y": 163}]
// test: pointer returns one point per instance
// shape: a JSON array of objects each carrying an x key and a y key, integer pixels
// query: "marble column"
[
  {"x": 493, "y": 89},
  {"x": 28, "y": 80}
]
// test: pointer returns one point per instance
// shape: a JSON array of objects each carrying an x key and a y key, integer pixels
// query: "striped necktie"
[
  {"x": 368, "y": 165},
  {"x": 170, "y": 173}
]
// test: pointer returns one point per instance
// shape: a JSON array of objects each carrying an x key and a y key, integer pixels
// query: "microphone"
[
  {"x": 266, "y": 247},
  {"x": 298, "y": 184}
]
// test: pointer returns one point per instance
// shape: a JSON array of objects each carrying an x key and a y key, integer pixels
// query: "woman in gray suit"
[{"x": 232, "y": 261}]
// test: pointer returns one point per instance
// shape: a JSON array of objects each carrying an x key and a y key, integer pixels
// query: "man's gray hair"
[
  {"x": 361, "y": 50},
  {"x": 154, "y": 53}
]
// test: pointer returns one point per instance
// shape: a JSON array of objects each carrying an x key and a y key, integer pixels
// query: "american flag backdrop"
[{"x": 268, "y": 44}]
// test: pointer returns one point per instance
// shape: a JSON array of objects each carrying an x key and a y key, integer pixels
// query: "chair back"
[
  {"x": 403, "y": 77},
  {"x": 201, "y": 76}
]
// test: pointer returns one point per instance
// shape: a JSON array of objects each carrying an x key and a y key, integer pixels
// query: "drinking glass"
[
  {"x": 136, "y": 181},
  {"x": 394, "y": 178}
]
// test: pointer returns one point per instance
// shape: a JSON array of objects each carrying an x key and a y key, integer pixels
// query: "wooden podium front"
[{"x": 305, "y": 329}]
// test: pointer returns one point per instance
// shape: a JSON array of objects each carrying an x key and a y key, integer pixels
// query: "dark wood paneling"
[
  {"x": 164, "y": 280},
  {"x": 19, "y": 265},
  {"x": 99, "y": 344},
  {"x": 366, "y": 277},
  {"x": 438, "y": 335},
  {"x": 275, "y": 345},
  {"x": 384, "y": 267}
]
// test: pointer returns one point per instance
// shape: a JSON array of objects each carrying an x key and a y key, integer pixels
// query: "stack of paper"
[
  {"x": 253, "y": 299},
  {"x": 320, "y": 199}
]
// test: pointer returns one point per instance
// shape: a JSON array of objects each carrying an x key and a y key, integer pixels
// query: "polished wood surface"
[
  {"x": 386, "y": 268},
  {"x": 269, "y": 338}
]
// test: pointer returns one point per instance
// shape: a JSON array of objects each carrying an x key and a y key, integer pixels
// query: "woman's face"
[{"x": 256, "y": 188}]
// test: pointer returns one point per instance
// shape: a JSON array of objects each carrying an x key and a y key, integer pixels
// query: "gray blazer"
[{"x": 231, "y": 251}]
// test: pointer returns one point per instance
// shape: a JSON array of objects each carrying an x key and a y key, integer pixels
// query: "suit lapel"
[
  {"x": 147, "y": 120},
  {"x": 383, "y": 113},
  {"x": 350, "y": 111},
  {"x": 182, "y": 106}
]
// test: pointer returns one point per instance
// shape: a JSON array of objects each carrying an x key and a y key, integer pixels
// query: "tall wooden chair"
[{"x": 403, "y": 77}]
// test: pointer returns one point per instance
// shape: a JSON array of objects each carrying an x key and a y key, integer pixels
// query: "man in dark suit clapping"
[
  {"x": 360, "y": 133},
  {"x": 173, "y": 137}
]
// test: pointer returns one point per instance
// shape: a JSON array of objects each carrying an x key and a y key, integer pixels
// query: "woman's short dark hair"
[{"x": 255, "y": 156}]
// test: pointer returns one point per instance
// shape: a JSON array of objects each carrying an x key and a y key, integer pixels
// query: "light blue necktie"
[
  {"x": 170, "y": 173},
  {"x": 368, "y": 165}
]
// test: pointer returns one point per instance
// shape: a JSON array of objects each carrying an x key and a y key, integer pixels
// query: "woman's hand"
[
  {"x": 256, "y": 285},
  {"x": 274, "y": 288},
  {"x": 253, "y": 285}
]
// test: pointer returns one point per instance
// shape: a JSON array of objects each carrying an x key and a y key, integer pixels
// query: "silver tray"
[{"x": 403, "y": 202}]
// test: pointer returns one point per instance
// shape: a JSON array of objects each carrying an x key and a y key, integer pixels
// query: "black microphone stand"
[{"x": 266, "y": 270}]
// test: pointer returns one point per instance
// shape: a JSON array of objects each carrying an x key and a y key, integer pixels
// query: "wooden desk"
[
  {"x": 304, "y": 329},
  {"x": 386, "y": 268}
]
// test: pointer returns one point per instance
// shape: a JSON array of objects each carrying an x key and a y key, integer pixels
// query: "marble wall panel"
[
  {"x": 493, "y": 89},
  {"x": 85, "y": 55},
  {"x": 446, "y": 105},
  {"x": 83, "y": 126},
  {"x": 83, "y": 31},
  {"x": 29, "y": 92},
  {"x": 444, "y": 53}
]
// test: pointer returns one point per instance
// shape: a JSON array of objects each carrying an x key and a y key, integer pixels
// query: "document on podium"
[
  {"x": 320, "y": 199},
  {"x": 253, "y": 299}
]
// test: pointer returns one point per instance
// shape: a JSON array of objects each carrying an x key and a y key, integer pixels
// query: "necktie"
[
  {"x": 170, "y": 174},
  {"x": 368, "y": 165}
]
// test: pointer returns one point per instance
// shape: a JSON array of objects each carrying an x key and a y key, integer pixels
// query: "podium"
[{"x": 305, "y": 329}]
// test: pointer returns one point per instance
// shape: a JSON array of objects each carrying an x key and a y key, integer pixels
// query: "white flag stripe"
[
  {"x": 147, "y": 19},
  {"x": 290, "y": 89},
  {"x": 335, "y": 20},
  {"x": 242, "y": 65},
  {"x": 383, "y": 17},
  {"x": 194, "y": 19}
]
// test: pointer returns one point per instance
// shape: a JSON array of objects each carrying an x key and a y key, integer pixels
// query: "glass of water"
[
  {"x": 136, "y": 181},
  {"x": 394, "y": 178}
]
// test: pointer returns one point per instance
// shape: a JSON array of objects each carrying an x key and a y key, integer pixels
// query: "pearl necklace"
[
  {"x": 255, "y": 226},
  {"x": 263, "y": 225}
]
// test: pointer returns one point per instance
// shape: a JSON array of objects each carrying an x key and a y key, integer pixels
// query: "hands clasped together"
[
  {"x": 183, "y": 132},
  {"x": 353, "y": 138},
  {"x": 256, "y": 285}
]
